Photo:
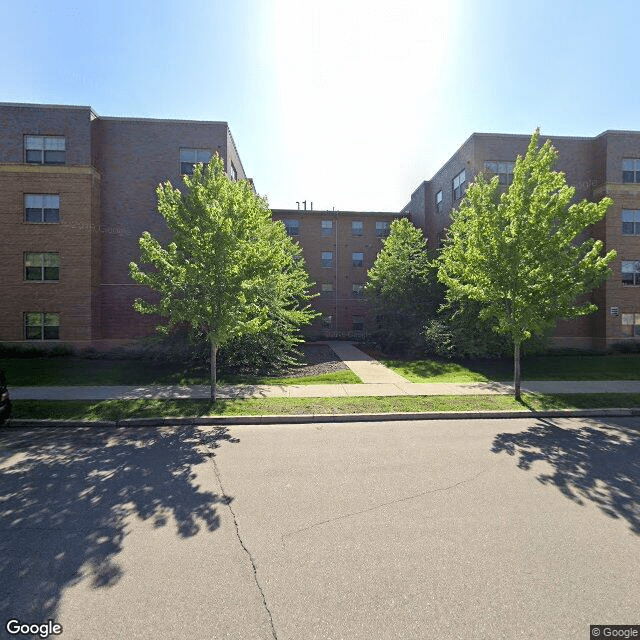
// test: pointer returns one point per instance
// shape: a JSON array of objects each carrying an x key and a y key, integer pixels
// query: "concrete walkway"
[{"x": 377, "y": 380}]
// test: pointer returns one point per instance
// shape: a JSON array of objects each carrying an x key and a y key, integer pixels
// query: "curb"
[{"x": 313, "y": 418}]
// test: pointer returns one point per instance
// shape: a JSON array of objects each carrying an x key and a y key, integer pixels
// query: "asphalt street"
[{"x": 462, "y": 529}]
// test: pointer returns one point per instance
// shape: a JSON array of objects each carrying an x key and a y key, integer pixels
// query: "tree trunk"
[
  {"x": 516, "y": 370},
  {"x": 214, "y": 351}
]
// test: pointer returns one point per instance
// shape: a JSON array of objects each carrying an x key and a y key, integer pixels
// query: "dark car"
[{"x": 5, "y": 402}]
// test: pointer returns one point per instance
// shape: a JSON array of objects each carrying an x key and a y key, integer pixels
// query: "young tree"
[
  {"x": 229, "y": 269},
  {"x": 518, "y": 252},
  {"x": 402, "y": 287}
]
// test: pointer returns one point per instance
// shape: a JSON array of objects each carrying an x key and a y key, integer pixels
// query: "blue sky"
[{"x": 346, "y": 103}]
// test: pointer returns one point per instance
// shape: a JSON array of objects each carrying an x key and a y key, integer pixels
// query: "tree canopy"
[
  {"x": 402, "y": 288},
  {"x": 229, "y": 270},
  {"x": 518, "y": 252}
]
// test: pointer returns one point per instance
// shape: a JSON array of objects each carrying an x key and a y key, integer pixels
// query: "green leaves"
[
  {"x": 229, "y": 269},
  {"x": 518, "y": 252},
  {"x": 402, "y": 287}
]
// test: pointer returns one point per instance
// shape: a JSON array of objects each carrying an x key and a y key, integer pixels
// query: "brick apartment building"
[
  {"x": 339, "y": 247},
  {"x": 77, "y": 190},
  {"x": 606, "y": 165}
]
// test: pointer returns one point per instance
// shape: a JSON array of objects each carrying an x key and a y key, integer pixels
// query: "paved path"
[{"x": 377, "y": 380}]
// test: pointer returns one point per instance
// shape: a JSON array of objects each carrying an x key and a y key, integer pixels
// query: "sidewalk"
[{"x": 377, "y": 380}]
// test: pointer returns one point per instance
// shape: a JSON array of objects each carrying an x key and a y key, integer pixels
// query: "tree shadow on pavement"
[
  {"x": 66, "y": 494},
  {"x": 594, "y": 460}
]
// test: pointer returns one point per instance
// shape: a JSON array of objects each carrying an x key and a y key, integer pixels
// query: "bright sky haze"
[{"x": 350, "y": 104}]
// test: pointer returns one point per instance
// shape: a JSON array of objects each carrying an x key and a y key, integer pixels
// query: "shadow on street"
[
  {"x": 65, "y": 495},
  {"x": 597, "y": 462}
]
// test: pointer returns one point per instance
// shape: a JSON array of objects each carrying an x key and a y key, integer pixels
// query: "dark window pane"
[
  {"x": 33, "y": 215},
  {"x": 52, "y": 333},
  {"x": 638, "y": 228},
  {"x": 34, "y": 156},
  {"x": 186, "y": 168},
  {"x": 637, "y": 176},
  {"x": 627, "y": 176},
  {"x": 34, "y": 333},
  {"x": 52, "y": 273},
  {"x": 34, "y": 273},
  {"x": 627, "y": 228},
  {"x": 54, "y": 157},
  {"x": 52, "y": 215},
  {"x": 627, "y": 278}
]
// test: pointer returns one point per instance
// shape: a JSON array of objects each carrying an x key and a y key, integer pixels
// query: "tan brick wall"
[
  {"x": 73, "y": 238},
  {"x": 341, "y": 304}
]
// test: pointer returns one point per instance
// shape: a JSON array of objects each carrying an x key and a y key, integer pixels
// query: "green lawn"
[
  {"x": 147, "y": 408},
  {"x": 573, "y": 367},
  {"x": 67, "y": 371}
]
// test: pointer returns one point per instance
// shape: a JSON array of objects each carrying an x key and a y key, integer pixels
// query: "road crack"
[
  {"x": 385, "y": 504},
  {"x": 227, "y": 501}
]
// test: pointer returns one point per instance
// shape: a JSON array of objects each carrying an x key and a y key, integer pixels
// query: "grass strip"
[
  {"x": 70, "y": 371},
  {"x": 152, "y": 408},
  {"x": 552, "y": 367}
]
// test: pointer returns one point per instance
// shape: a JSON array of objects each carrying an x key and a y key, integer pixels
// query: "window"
[
  {"x": 358, "y": 290},
  {"x": 504, "y": 171},
  {"x": 41, "y": 208},
  {"x": 233, "y": 174},
  {"x": 45, "y": 149},
  {"x": 42, "y": 326},
  {"x": 357, "y": 323},
  {"x": 631, "y": 170},
  {"x": 327, "y": 259},
  {"x": 357, "y": 259},
  {"x": 327, "y": 227},
  {"x": 439, "y": 201},
  {"x": 327, "y": 288},
  {"x": 382, "y": 229},
  {"x": 292, "y": 226},
  {"x": 631, "y": 272},
  {"x": 356, "y": 228},
  {"x": 631, "y": 324},
  {"x": 327, "y": 322},
  {"x": 189, "y": 158},
  {"x": 458, "y": 184},
  {"x": 41, "y": 266},
  {"x": 630, "y": 222}
]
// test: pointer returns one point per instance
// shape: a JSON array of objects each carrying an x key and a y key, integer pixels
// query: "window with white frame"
[
  {"x": 631, "y": 324},
  {"x": 41, "y": 207},
  {"x": 292, "y": 226},
  {"x": 327, "y": 227},
  {"x": 630, "y": 222},
  {"x": 327, "y": 258},
  {"x": 439, "y": 201},
  {"x": 504, "y": 170},
  {"x": 327, "y": 289},
  {"x": 41, "y": 326},
  {"x": 357, "y": 227},
  {"x": 357, "y": 290},
  {"x": 631, "y": 272},
  {"x": 457, "y": 184},
  {"x": 190, "y": 157},
  {"x": 45, "y": 149},
  {"x": 42, "y": 267},
  {"x": 382, "y": 229},
  {"x": 631, "y": 170},
  {"x": 327, "y": 322},
  {"x": 233, "y": 174},
  {"x": 357, "y": 259}
]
